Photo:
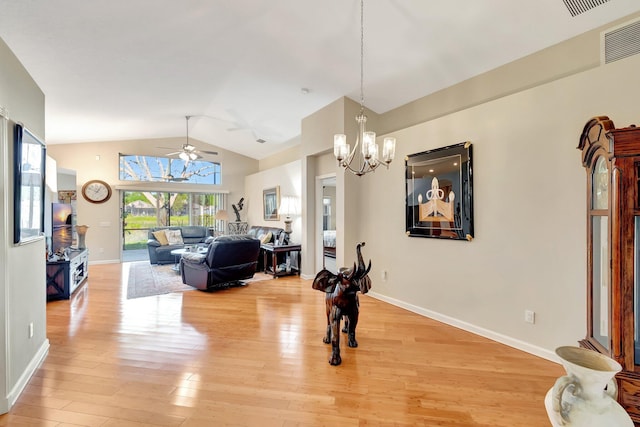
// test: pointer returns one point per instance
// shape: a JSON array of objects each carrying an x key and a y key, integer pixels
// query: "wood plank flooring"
[{"x": 253, "y": 356}]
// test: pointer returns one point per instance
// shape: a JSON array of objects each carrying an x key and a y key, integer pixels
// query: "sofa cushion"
[
  {"x": 194, "y": 234},
  {"x": 194, "y": 257},
  {"x": 257, "y": 230},
  {"x": 174, "y": 237},
  {"x": 161, "y": 237},
  {"x": 265, "y": 238}
]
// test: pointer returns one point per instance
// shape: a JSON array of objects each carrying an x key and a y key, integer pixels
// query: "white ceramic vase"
[
  {"x": 82, "y": 232},
  {"x": 579, "y": 399}
]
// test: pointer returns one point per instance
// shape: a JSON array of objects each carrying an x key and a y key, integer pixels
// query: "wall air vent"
[
  {"x": 620, "y": 42},
  {"x": 576, "y": 7}
]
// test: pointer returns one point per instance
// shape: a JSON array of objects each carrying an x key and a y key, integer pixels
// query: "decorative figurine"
[
  {"x": 342, "y": 300},
  {"x": 238, "y": 208}
]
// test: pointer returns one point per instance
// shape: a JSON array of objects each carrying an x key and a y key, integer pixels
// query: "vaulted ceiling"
[{"x": 252, "y": 69}]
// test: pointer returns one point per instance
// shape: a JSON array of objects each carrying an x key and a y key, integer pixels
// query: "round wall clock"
[{"x": 96, "y": 191}]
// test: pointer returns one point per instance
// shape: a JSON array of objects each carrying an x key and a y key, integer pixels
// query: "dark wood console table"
[
  {"x": 283, "y": 252},
  {"x": 64, "y": 276}
]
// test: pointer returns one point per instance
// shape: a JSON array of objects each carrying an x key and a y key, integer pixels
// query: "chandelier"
[{"x": 367, "y": 159}]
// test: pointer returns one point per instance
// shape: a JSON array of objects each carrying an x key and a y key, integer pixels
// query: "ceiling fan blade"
[{"x": 214, "y": 153}]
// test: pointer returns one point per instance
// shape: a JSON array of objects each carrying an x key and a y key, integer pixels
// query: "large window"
[
  {"x": 166, "y": 169},
  {"x": 147, "y": 209}
]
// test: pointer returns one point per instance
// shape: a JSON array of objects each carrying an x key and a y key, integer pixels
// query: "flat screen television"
[{"x": 62, "y": 226}]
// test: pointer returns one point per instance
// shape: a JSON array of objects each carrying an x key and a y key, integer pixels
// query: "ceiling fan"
[{"x": 188, "y": 152}]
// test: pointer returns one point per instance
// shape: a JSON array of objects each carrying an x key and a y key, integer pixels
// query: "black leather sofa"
[
  {"x": 191, "y": 235},
  {"x": 228, "y": 260}
]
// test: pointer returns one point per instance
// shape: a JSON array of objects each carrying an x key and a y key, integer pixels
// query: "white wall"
[
  {"x": 529, "y": 189},
  {"x": 288, "y": 178},
  {"x": 22, "y": 267}
]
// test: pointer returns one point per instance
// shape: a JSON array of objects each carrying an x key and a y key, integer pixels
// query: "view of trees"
[{"x": 147, "y": 209}]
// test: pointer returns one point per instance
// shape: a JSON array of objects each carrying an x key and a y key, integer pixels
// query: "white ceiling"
[{"x": 132, "y": 69}]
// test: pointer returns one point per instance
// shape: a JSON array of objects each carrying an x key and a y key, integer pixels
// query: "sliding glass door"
[{"x": 143, "y": 210}]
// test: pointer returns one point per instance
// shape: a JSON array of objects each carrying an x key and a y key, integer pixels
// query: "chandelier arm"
[{"x": 365, "y": 168}]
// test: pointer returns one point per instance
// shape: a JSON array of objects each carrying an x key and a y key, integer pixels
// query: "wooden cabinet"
[
  {"x": 64, "y": 277},
  {"x": 612, "y": 160}
]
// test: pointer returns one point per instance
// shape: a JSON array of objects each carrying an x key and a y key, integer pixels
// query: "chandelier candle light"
[{"x": 369, "y": 156}]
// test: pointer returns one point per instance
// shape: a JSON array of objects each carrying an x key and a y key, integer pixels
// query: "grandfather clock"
[{"x": 612, "y": 160}]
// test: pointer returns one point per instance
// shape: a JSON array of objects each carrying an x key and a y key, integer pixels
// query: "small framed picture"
[{"x": 282, "y": 238}]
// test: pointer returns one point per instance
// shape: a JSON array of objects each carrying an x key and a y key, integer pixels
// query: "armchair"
[{"x": 228, "y": 260}]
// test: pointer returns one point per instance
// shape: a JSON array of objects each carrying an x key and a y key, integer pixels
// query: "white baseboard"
[
  {"x": 492, "y": 335},
  {"x": 34, "y": 364}
]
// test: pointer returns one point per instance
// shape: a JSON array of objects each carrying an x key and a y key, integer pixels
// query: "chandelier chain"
[
  {"x": 362, "y": 55},
  {"x": 365, "y": 154}
]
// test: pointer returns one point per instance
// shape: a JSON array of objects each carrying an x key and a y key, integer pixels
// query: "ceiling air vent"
[
  {"x": 576, "y": 7},
  {"x": 620, "y": 42}
]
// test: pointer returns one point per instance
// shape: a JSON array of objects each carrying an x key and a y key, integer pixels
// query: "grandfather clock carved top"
[{"x": 611, "y": 158}]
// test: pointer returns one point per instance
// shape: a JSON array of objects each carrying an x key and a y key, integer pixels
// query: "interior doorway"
[{"x": 326, "y": 223}]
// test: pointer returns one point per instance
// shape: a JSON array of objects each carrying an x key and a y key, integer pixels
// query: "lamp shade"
[
  {"x": 222, "y": 215},
  {"x": 289, "y": 205}
]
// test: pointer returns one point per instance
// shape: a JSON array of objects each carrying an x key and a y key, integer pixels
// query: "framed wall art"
[
  {"x": 28, "y": 192},
  {"x": 270, "y": 203},
  {"x": 439, "y": 200}
]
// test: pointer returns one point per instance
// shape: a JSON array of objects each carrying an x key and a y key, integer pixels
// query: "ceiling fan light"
[
  {"x": 184, "y": 156},
  {"x": 193, "y": 156}
]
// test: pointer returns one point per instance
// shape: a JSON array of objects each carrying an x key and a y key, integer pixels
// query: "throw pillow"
[
  {"x": 266, "y": 238},
  {"x": 161, "y": 237},
  {"x": 174, "y": 237}
]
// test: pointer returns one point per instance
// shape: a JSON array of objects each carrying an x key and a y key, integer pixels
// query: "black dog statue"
[{"x": 342, "y": 300}]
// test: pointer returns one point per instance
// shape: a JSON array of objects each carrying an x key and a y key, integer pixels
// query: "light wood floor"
[{"x": 254, "y": 356}]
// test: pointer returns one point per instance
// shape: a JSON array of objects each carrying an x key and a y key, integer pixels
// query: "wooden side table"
[{"x": 273, "y": 252}]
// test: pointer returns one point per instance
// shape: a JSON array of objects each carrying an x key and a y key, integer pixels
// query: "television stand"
[{"x": 65, "y": 276}]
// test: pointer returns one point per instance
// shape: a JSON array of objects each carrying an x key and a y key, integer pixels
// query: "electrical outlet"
[
  {"x": 31, "y": 330},
  {"x": 530, "y": 316}
]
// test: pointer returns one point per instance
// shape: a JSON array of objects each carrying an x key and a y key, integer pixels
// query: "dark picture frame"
[
  {"x": 439, "y": 193},
  {"x": 29, "y": 154},
  {"x": 271, "y": 203}
]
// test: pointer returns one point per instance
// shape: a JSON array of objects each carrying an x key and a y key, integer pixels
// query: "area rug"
[{"x": 148, "y": 280}]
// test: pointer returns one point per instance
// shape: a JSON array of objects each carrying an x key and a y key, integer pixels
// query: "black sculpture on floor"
[{"x": 342, "y": 300}]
